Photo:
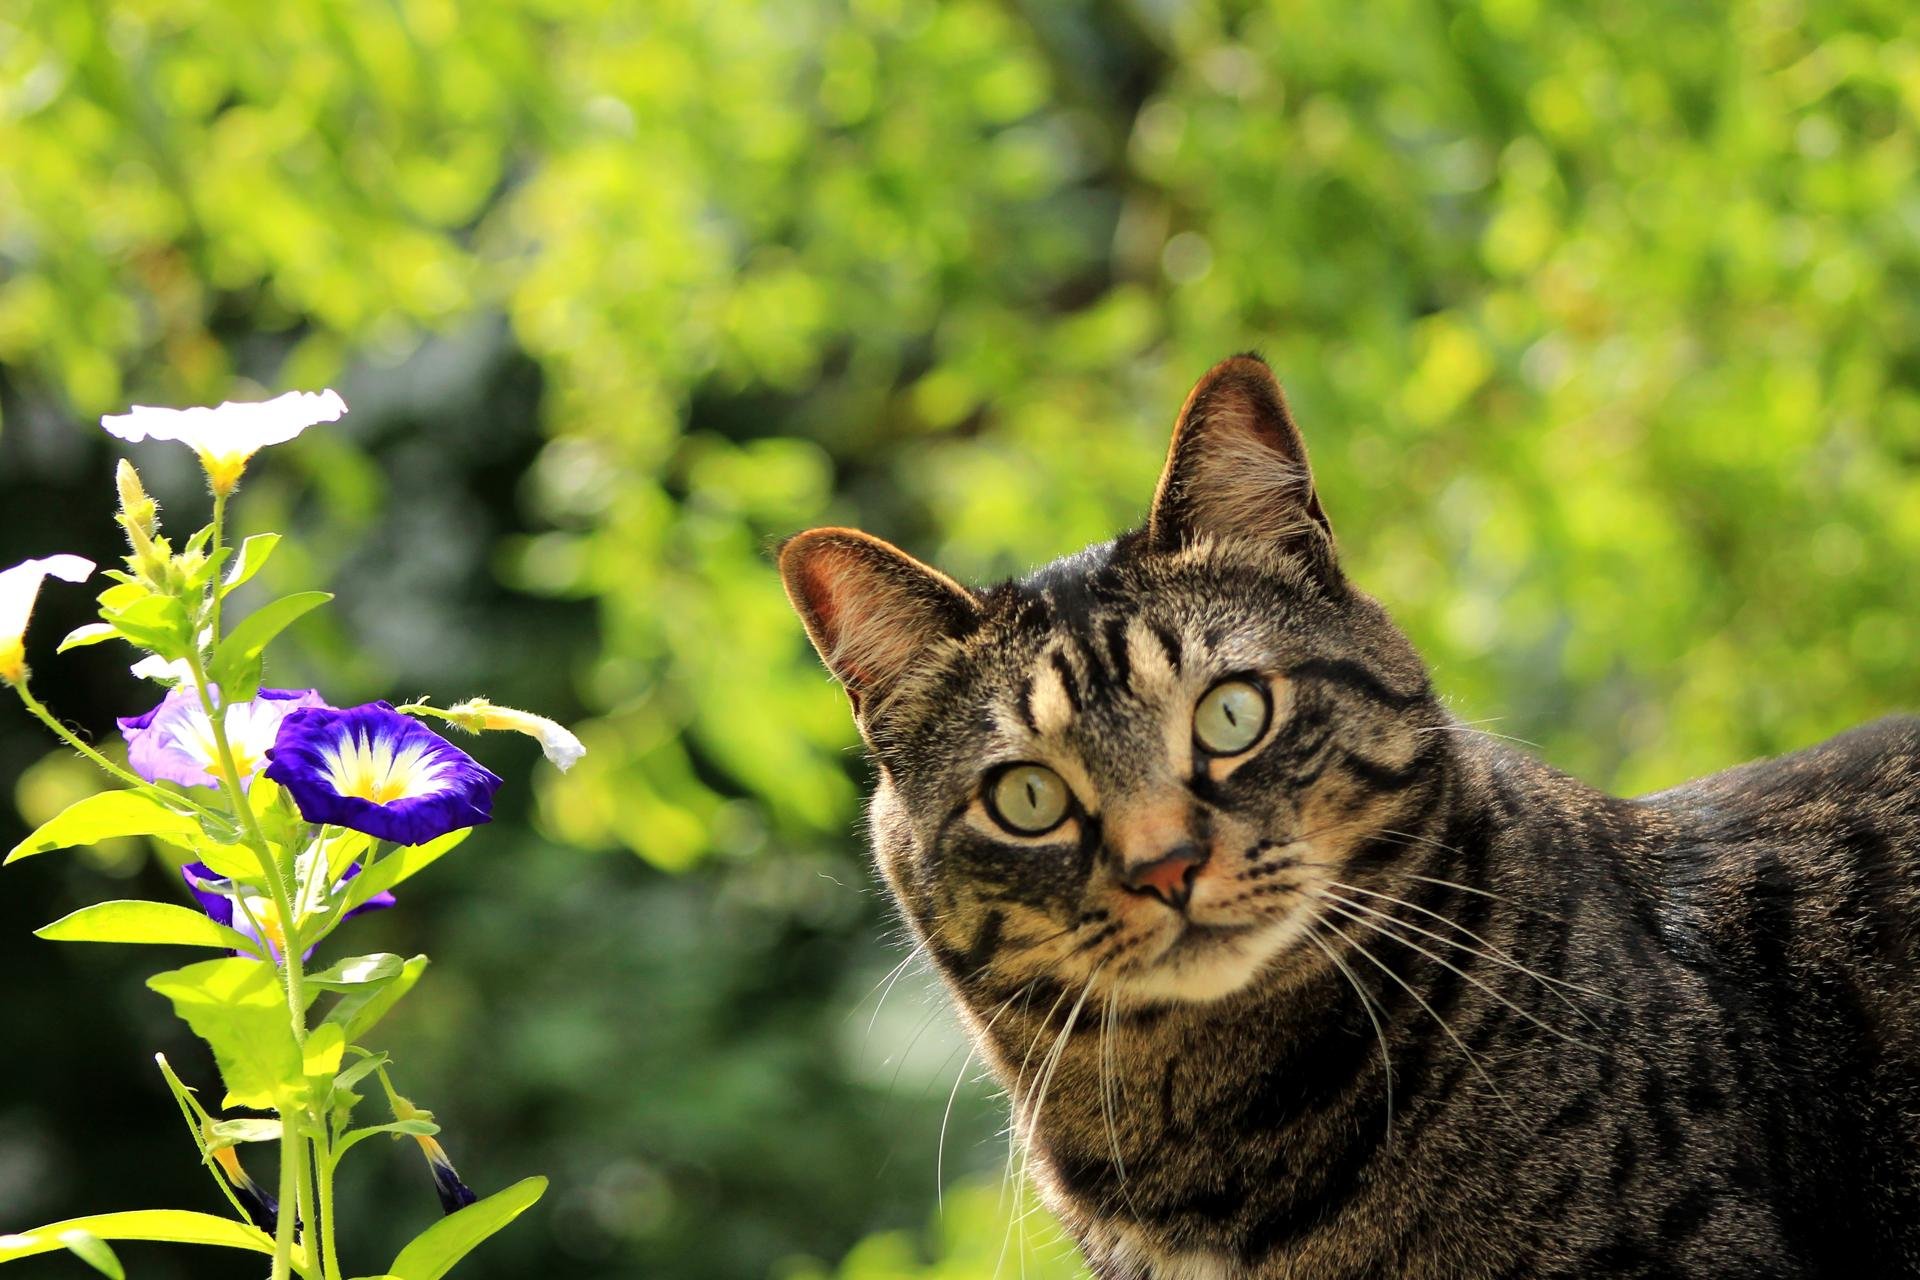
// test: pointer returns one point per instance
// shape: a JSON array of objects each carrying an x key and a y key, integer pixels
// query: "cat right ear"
[{"x": 869, "y": 607}]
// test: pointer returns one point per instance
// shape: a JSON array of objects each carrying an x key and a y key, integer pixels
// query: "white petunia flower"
[
  {"x": 227, "y": 436},
  {"x": 19, "y": 586}
]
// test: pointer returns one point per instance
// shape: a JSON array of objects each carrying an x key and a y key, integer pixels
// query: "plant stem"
[
  {"x": 303, "y": 1145},
  {"x": 293, "y": 1146},
  {"x": 329, "y": 1251},
  {"x": 79, "y": 744}
]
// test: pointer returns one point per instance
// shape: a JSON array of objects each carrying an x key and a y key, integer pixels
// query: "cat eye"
[
  {"x": 1028, "y": 799},
  {"x": 1230, "y": 717}
]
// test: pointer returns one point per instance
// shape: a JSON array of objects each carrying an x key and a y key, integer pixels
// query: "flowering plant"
[{"x": 293, "y": 816}]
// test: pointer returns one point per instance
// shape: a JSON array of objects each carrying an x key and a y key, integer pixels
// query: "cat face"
[{"x": 1129, "y": 772}]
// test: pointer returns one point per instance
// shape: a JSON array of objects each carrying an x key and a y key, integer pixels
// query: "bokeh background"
[{"x": 1603, "y": 323}]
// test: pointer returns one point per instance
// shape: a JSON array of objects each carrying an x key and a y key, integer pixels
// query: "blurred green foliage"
[{"x": 1603, "y": 324}]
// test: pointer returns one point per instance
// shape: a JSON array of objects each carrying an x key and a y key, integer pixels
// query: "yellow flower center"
[
  {"x": 13, "y": 660},
  {"x": 376, "y": 772}
]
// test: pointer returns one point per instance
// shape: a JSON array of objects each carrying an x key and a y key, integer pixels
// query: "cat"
[{"x": 1288, "y": 973}]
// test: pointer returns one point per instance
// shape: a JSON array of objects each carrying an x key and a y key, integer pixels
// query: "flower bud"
[{"x": 138, "y": 511}]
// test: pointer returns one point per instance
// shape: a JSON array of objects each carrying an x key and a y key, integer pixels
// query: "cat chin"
[{"x": 1206, "y": 963}]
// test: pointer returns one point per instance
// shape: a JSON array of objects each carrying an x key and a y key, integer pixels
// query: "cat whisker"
[
  {"x": 940, "y": 1151},
  {"x": 1049, "y": 1066},
  {"x": 1366, "y": 1002},
  {"x": 1472, "y": 1059},
  {"x": 1498, "y": 952},
  {"x": 1392, "y": 936}
]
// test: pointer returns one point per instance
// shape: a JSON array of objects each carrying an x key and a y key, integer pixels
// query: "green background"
[{"x": 1602, "y": 322}]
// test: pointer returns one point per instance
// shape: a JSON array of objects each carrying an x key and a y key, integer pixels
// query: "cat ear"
[
  {"x": 1237, "y": 468},
  {"x": 869, "y": 607}
]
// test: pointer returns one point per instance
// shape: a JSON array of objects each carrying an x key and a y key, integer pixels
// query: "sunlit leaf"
[
  {"x": 434, "y": 1251},
  {"x": 105, "y": 815},
  {"x": 136, "y": 920}
]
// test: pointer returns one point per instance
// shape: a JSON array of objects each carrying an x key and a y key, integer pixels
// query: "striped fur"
[{"x": 1433, "y": 1009}]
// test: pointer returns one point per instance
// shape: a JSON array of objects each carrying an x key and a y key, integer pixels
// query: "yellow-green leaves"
[
  {"x": 104, "y": 816},
  {"x": 137, "y": 921},
  {"x": 236, "y": 663},
  {"x": 363, "y": 1005},
  {"x": 238, "y": 1007},
  {"x": 435, "y": 1250},
  {"x": 175, "y": 1225}
]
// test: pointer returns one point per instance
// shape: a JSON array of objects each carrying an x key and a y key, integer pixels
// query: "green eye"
[
  {"x": 1230, "y": 718},
  {"x": 1028, "y": 799}
]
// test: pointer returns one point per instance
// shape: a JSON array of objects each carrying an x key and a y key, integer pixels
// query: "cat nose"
[{"x": 1168, "y": 877}]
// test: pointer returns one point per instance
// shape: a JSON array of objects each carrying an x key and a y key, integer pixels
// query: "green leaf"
[
  {"x": 406, "y": 1128},
  {"x": 176, "y": 1225},
  {"x": 237, "y": 662},
  {"x": 105, "y": 815},
  {"x": 359, "y": 1009},
  {"x": 137, "y": 921},
  {"x": 228, "y": 861},
  {"x": 239, "y": 1009},
  {"x": 434, "y": 1251},
  {"x": 253, "y": 554},
  {"x": 159, "y": 623},
  {"x": 406, "y": 861},
  {"x": 93, "y": 1251},
  {"x": 91, "y": 633},
  {"x": 230, "y": 1133},
  {"x": 320, "y": 1057},
  {"x": 358, "y": 971}
]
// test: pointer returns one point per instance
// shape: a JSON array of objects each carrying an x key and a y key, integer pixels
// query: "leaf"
[
  {"x": 434, "y": 1251},
  {"x": 238, "y": 1008},
  {"x": 320, "y": 1057},
  {"x": 406, "y": 1128},
  {"x": 176, "y": 1225},
  {"x": 91, "y": 633},
  {"x": 93, "y": 1251},
  {"x": 236, "y": 663},
  {"x": 253, "y": 554},
  {"x": 229, "y": 1133},
  {"x": 104, "y": 816},
  {"x": 229, "y": 861},
  {"x": 358, "y": 1010},
  {"x": 358, "y": 971},
  {"x": 158, "y": 623},
  {"x": 138, "y": 921},
  {"x": 404, "y": 862}
]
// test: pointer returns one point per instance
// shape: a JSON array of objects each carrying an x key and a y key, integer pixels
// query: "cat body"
[{"x": 1286, "y": 972}]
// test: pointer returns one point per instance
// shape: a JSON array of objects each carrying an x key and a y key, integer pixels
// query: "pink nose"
[{"x": 1168, "y": 878}]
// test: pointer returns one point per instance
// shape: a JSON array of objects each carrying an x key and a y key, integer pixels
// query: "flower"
[
  {"x": 155, "y": 667},
  {"x": 18, "y": 588},
  {"x": 227, "y": 436},
  {"x": 455, "y": 1195},
  {"x": 371, "y": 769},
  {"x": 556, "y": 740},
  {"x": 262, "y": 1209},
  {"x": 174, "y": 741},
  {"x": 222, "y": 900}
]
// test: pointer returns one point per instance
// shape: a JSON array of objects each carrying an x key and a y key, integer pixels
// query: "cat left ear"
[
  {"x": 870, "y": 608},
  {"x": 1237, "y": 468}
]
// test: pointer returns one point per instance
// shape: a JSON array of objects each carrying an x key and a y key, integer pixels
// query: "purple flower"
[
  {"x": 455, "y": 1195},
  {"x": 371, "y": 769},
  {"x": 174, "y": 741},
  {"x": 219, "y": 899}
]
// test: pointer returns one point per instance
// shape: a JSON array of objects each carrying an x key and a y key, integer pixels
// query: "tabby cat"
[{"x": 1288, "y": 973}]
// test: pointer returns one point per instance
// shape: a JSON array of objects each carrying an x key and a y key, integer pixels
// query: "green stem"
[
  {"x": 303, "y": 1145},
  {"x": 79, "y": 744},
  {"x": 329, "y": 1250},
  {"x": 293, "y": 1147},
  {"x": 219, "y": 524}
]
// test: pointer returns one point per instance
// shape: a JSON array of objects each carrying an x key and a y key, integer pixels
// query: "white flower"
[
  {"x": 225, "y": 437},
  {"x": 556, "y": 740},
  {"x": 18, "y": 588},
  {"x": 155, "y": 667}
]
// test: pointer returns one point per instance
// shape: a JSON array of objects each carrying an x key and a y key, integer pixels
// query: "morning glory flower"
[
  {"x": 455, "y": 1195},
  {"x": 227, "y": 436},
  {"x": 373, "y": 770},
  {"x": 262, "y": 1209},
  {"x": 174, "y": 741},
  {"x": 19, "y": 586},
  {"x": 220, "y": 899},
  {"x": 556, "y": 740}
]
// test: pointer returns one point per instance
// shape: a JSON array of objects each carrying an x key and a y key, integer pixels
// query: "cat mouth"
[{"x": 1198, "y": 940}]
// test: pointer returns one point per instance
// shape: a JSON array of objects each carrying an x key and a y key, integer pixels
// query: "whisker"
[
  {"x": 1472, "y": 1060},
  {"x": 1386, "y": 1061},
  {"x": 1498, "y": 953},
  {"x": 1394, "y": 937}
]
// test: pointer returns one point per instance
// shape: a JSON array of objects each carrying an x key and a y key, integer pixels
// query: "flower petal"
[
  {"x": 174, "y": 741},
  {"x": 19, "y": 587},
  {"x": 373, "y": 770},
  {"x": 234, "y": 427}
]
